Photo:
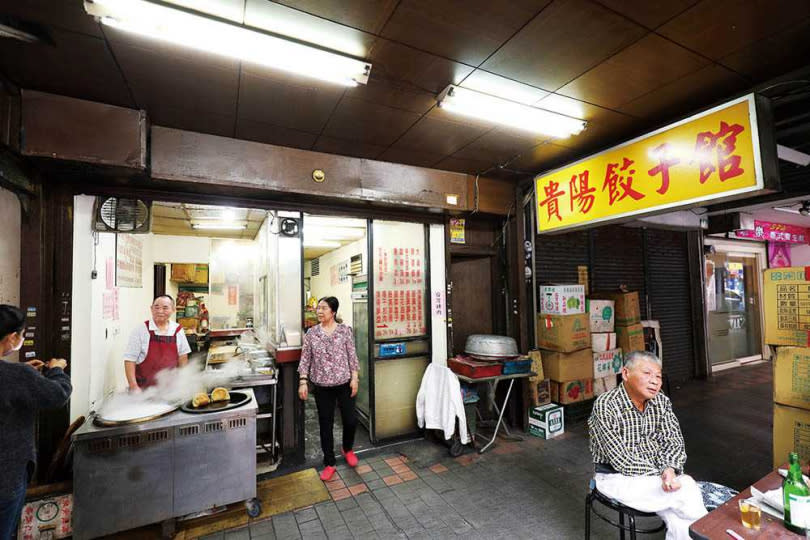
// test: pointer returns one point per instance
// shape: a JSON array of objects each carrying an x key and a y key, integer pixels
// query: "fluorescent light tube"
[
  {"x": 230, "y": 40},
  {"x": 793, "y": 156},
  {"x": 218, "y": 226},
  {"x": 7, "y": 31},
  {"x": 508, "y": 113},
  {"x": 787, "y": 210}
]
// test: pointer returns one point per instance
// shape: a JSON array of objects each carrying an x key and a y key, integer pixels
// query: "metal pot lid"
[
  {"x": 491, "y": 345},
  {"x": 121, "y": 411}
]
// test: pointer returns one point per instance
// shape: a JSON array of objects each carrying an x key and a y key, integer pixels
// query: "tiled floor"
[{"x": 530, "y": 489}]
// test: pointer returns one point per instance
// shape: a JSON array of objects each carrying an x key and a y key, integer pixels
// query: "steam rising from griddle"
[{"x": 174, "y": 387}]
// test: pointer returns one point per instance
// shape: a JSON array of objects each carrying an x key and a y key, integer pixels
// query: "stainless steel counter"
[{"x": 133, "y": 475}]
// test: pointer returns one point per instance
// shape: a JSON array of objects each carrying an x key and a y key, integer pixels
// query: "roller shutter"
[{"x": 667, "y": 258}]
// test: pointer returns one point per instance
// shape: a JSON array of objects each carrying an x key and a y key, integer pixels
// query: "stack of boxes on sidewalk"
[
  {"x": 615, "y": 319},
  {"x": 581, "y": 346},
  {"x": 787, "y": 325}
]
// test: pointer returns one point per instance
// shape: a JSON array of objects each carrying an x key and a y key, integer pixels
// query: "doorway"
[
  {"x": 336, "y": 264},
  {"x": 733, "y": 298}
]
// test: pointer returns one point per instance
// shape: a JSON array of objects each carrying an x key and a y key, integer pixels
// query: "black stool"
[{"x": 630, "y": 513}]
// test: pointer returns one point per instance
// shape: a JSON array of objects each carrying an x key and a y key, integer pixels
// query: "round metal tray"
[
  {"x": 491, "y": 346},
  {"x": 237, "y": 400},
  {"x": 99, "y": 420},
  {"x": 492, "y": 356}
]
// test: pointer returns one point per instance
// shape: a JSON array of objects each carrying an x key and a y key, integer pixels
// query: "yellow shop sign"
[{"x": 712, "y": 155}]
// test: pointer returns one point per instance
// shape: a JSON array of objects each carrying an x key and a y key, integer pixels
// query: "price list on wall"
[
  {"x": 793, "y": 306},
  {"x": 399, "y": 292}
]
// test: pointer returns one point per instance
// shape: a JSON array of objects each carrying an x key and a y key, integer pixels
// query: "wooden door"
[{"x": 472, "y": 298}]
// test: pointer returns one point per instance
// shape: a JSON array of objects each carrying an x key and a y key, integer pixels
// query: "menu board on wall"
[
  {"x": 128, "y": 261},
  {"x": 399, "y": 291}
]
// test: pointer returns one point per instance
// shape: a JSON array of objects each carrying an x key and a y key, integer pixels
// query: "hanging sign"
[
  {"x": 713, "y": 155},
  {"x": 775, "y": 232},
  {"x": 128, "y": 260}
]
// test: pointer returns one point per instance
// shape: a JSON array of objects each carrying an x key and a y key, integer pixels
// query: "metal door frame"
[{"x": 740, "y": 248}]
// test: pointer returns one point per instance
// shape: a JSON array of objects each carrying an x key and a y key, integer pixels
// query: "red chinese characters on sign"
[
  {"x": 660, "y": 153},
  {"x": 553, "y": 193},
  {"x": 718, "y": 148},
  {"x": 581, "y": 192},
  {"x": 619, "y": 183}
]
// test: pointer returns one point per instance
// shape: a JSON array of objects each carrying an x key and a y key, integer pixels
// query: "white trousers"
[{"x": 678, "y": 509}]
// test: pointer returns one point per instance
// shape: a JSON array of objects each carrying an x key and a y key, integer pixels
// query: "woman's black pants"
[{"x": 326, "y": 397}]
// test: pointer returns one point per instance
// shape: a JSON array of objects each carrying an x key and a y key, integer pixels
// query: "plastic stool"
[{"x": 624, "y": 511}]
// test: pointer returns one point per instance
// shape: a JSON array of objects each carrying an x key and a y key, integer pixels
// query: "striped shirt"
[{"x": 636, "y": 443}]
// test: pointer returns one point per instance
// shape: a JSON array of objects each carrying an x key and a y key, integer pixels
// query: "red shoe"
[
  {"x": 327, "y": 473},
  {"x": 351, "y": 458}
]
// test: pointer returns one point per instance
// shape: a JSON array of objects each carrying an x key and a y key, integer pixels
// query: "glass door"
[
  {"x": 400, "y": 340},
  {"x": 733, "y": 304}
]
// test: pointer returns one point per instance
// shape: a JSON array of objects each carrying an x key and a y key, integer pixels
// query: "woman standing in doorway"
[{"x": 329, "y": 362}]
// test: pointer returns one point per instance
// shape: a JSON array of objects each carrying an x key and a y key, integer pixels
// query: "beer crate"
[{"x": 546, "y": 421}]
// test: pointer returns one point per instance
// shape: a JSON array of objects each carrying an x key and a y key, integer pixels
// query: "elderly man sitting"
[{"x": 638, "y": 449}]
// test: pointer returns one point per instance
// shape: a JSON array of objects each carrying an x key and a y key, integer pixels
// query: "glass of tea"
[{"x": 751, "y": 514}]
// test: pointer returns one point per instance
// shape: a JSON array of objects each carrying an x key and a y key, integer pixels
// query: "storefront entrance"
[{"x": 733, "y": 273}]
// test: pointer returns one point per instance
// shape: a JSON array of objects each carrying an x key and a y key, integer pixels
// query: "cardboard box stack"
[
  {"x": 786, "y": 292},
  {"x": 607, "y": 355},
  {"x": 563, "y": 331}
]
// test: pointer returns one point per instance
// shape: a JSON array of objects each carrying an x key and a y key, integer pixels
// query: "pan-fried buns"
[
  {"x": 200, "y": 400},
  {"x": 220, "y": 394}
]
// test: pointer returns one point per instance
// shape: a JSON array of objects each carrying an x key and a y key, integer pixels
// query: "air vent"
[
  {"x": 213, "y": 426},
  {"x": 113, "y": 214},
  {"x": 155, "y": 436},
  {"x": 316, "y": 267},
  {"x": 236, "y": 423},
  {"x": 128, "y": 441},
  {"x": 188, "y": 431},
  {"x": 356, "y": 266},
  {"x": 100, "y": 445}
]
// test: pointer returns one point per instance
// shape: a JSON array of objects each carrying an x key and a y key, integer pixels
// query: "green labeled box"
[{"x": 547, "y": 421}]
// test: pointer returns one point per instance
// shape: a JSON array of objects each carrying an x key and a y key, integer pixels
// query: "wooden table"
[
  {"x": 493, "y": 385},
  {"x": 714, "y": 524}
]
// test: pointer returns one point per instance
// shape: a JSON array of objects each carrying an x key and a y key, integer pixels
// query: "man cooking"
[
  {"x": 638, "y": 450},
  {"x": 157, "y": 344}
]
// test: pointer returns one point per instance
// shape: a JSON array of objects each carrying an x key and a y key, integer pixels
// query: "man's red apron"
[{"x": 162, "y": 354}]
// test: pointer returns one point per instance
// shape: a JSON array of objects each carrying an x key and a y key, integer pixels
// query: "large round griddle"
[
  {"x": 237, "y": 400},
  {"x": 133, "y": 413}
]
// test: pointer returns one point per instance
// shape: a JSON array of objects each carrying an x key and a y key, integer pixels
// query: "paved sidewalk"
[{"x": 531, "y": 489}]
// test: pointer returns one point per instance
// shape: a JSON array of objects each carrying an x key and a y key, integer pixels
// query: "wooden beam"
[
  {"x": 184, "y": 156},
  {"x": 59, "y": 127}
]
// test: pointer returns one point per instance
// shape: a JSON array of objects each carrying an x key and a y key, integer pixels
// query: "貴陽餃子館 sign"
[{"x": 712, "y": 155}]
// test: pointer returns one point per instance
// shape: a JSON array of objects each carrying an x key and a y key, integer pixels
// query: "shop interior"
[{"x": 219, "y": 264}]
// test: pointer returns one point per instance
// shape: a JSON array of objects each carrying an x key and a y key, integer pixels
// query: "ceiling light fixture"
[
  {"x": 219, "y": 226},
  {"x": 793, "y": 156},
  {"x": 9, "y": 31},
  {"x": 207, "y": 34},
  {"x": 803, "y": 210},
  {"x": 508, "y": 113}
]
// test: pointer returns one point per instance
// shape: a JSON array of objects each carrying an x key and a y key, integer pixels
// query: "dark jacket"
[{"x": 23, "y": 392}]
